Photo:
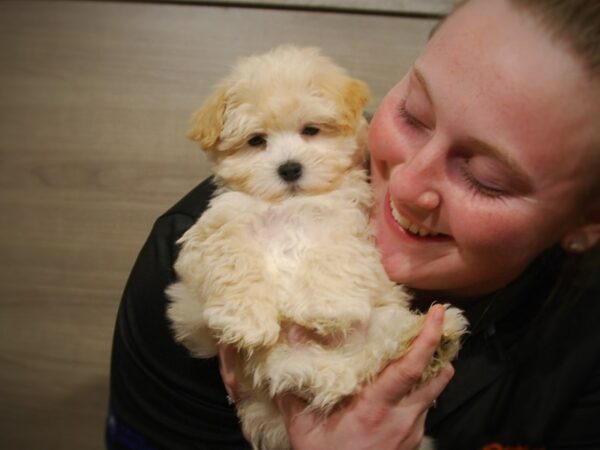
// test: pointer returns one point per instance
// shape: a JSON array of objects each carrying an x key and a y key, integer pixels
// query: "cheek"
[
  {"x": 380, "y": 137},
  {"x": 498, "y": 230},
  {"x": 385, "y": 148},
  {"x": 383, "y": 134}
]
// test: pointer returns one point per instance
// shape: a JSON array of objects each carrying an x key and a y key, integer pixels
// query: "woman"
[{"x": 491, "y": 143}]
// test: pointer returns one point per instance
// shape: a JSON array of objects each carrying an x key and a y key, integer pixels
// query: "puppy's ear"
[
  {"x": 207, "y": 122},
  {"x": 356, "y": 95}
]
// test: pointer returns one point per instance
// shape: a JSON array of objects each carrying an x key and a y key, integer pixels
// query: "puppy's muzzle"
[{"x": 290, "y": 171}]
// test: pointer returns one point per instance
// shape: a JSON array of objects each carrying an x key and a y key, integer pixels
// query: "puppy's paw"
[
  {"x": 326, "y": 320},
  {"x": 244, "y": 328},
  {"x": 455, "y": 326},
  {"x": 261, "y": 334},
  {"x": 334, "y": 387}
]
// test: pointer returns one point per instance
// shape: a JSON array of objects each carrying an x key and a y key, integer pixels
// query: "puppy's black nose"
[{"x": 290, "y": 171}]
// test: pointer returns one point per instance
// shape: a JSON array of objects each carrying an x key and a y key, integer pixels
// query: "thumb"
[
  {"x": 400, "y": 377},
  {"x": 295, "y": 414}
]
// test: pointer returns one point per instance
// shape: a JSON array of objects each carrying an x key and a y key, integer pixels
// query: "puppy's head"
[{"x": 288, "y": 122}]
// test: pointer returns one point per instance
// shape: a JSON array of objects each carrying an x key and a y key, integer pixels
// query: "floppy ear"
[
  {"x": 585, "y": 236},
  {"x": 207, "y": 122},
  {"x": 355, "y": 96}
]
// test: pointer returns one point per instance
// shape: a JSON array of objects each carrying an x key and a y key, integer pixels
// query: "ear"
[
  {"x": 585, "y": 236},
  {"x": 207, "y": 122},
  {"x": 356, "y": 96}
]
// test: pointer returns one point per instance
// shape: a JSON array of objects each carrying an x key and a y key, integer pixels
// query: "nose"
[
  {"x": 428, "y": 200},
  {"x": 290, "y": 171},
  {"x": 415, "y": 181}
]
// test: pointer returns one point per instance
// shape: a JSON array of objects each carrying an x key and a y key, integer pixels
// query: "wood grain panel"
[{"x": 95, "y": 98}]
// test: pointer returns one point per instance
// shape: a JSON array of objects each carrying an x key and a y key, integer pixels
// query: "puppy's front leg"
[
  {"x": 224, "y": 266},
  {"x": 247, "y": 320},
  {"x": 239, "y": 307},
  {"x": 330, "y": 299}
]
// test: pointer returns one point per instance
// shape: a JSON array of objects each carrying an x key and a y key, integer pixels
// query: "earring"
[{"x": 576, "y": 244}]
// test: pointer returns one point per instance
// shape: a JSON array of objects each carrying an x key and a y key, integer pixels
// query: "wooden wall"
[
  {"x": 94, "y": 103},
  {"x": 406, "y": 7}
]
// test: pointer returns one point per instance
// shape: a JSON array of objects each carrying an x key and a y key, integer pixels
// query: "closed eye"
[
  {"x": 478, "y": 187},
  {"x": 407, "y": 117}
]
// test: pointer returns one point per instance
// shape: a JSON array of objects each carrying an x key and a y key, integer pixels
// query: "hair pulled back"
[{"x": 575, "y": 23}]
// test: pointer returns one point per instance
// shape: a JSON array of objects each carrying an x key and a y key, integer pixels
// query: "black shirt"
[{"x": 528, "y": 373}]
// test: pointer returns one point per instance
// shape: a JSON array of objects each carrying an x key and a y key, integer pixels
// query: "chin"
[{"x": 286, "y": 241}]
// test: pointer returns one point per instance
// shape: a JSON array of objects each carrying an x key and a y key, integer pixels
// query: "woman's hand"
[
  {"x": 228, "y": 366},
  {"x": 387, "y": 414}
]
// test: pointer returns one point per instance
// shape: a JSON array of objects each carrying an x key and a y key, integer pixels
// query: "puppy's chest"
[{"x": 285, "y": 234}]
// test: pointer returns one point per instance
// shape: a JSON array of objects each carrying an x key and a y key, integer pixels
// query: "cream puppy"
[{"x": 286, "y": 240}]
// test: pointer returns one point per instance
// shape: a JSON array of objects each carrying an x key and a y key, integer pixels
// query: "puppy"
[{"x": 286, "y": 241}]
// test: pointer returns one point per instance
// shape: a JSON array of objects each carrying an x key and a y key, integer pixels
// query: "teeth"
[{"x": 408, "y": 225}]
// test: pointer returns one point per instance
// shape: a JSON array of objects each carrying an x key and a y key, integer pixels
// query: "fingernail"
[{"x": 438, "y": 313}]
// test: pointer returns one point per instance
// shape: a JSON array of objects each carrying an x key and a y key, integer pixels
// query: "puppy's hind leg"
[
  {"x": 187, "y": 320},
  {"x": 262, "y": 423}
]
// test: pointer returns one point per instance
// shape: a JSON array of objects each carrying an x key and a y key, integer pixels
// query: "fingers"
[
  {"x": 425, "y": 395},
  {"x": 227, "y": 367},
  {"x": 293, "y": 411},
  {"x": 388, "y": 411},
  {"x": 415, "y": 439},
  {"x": 399, "y": 378}
]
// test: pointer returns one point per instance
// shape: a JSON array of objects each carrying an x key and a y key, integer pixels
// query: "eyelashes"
[
  {"x": 407, "y": 117},
  {"x": 478, "y": 187},
  {"x": 472, "y": 183}
]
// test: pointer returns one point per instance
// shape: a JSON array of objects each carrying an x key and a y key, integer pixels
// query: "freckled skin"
[{"x": 478, "y": 88}]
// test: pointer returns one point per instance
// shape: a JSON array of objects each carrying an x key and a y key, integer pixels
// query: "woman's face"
[{"x": 483, "y": 142}]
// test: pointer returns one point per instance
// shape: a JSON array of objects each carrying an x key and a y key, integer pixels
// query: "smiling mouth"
[{"x": 413, "y": 228}]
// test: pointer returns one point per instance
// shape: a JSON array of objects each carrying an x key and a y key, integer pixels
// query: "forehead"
[{"x": 503, "y": 80}]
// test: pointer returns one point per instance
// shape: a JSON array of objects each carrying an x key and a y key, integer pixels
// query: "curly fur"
[{"x": 269, "y": 252}]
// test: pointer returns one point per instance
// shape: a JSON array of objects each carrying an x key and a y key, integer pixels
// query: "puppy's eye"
[
  {"x": 257, "y": 141},
  {"x": 310, "y": 130}
]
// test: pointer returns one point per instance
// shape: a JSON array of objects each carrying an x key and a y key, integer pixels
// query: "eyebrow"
[
  {"x": 423, "y": 82},
  {"x": 523, "y": 180}
]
